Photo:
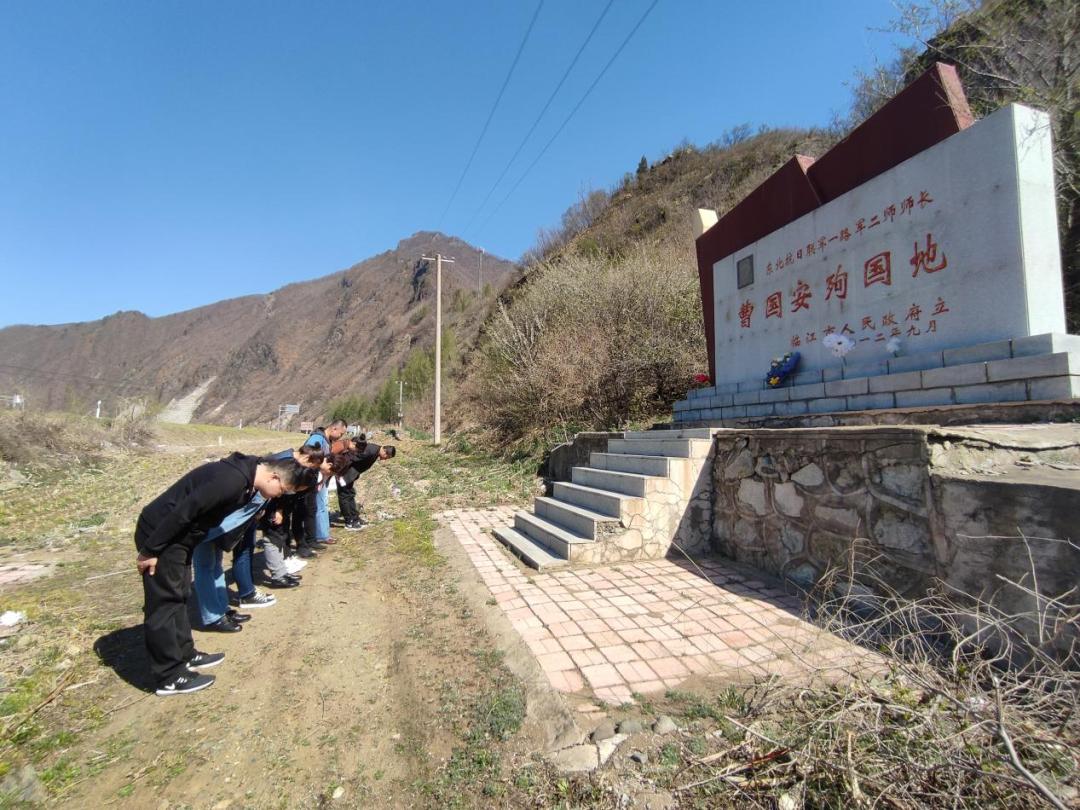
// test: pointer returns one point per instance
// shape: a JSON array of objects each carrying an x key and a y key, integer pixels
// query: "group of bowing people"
[{"x": 182, "y": 535}]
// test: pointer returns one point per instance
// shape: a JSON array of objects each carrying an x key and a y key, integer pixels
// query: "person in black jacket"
[
  {"x": 169, "y": 528},
  {"x": 366, "y": 456}
]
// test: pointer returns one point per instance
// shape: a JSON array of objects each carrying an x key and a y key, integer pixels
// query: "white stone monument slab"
[{"x": 954, "y": 247}]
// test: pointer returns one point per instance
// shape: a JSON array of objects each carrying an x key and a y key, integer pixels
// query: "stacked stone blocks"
[{"x": 1037, "y": 368}]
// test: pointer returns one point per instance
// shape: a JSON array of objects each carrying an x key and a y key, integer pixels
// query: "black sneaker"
[
  {"x": 306, "y": 553},
  {"x": 284, "y": 582},
  {"x": 294, "y": 577},
  {"x": 238, "y": 617},
  {"x": 224, "y": 625},
  {"x": 257, "y": 600},
  {"x": 203, "y": 660},
  {"x": 185, "y": 682},
  {"x": 354, "y": 526}
]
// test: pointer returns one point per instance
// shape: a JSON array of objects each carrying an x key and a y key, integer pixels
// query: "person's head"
[
  {"x": 336, "y": 429},
  {"x": 387, "y": 451},
  {"x": 339, "y": 462},
  {"x": 309, "y": 456},
  {"x": 277, "y": 477}
]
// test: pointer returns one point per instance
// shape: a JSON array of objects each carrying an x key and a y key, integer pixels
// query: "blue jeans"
[
  {"x": 322, "y": 515},
  {"x": 241, "y": 563},
  {"x": 209, "y": 582}
]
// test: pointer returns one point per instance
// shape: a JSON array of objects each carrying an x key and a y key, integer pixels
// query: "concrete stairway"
[{"x": 648, "y": 491}]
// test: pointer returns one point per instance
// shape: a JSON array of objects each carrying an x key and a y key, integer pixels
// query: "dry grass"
[
  {"x": 977, "y": 709},
  {"x": 590, "y": 343}
]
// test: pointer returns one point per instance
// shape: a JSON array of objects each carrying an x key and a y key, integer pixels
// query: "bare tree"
[{"x": 1025, "y": 51}]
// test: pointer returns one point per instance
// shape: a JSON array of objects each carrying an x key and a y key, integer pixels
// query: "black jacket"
[
  {"x": 198, "y": 502},
  {"x": 364, "y": 462}
]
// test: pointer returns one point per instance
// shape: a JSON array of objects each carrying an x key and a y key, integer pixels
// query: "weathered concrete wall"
[
  {"x": 913, "y": 505},
  {"x": 564, "y": 457}
]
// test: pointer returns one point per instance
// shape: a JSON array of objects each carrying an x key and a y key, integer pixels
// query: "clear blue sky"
[{"x": 163, "y": 155}]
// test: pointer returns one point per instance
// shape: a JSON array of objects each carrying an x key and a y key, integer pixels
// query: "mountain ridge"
[{"x": 307, "y": 341}]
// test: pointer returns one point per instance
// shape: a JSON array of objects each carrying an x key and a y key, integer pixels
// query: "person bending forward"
[{"x": 169, "y": 528}]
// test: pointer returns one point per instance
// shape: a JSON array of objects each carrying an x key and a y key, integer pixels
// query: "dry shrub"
[
  {"x": 590, "y": 343},
  {"x": 39, "y": 439},
  {"x": 977, "y": 708}
]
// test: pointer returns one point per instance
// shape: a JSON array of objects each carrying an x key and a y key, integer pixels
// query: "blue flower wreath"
[{"x": 782, "y": 368}]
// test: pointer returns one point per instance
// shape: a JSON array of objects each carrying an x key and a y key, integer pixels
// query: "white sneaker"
[{"x": 257, "y": 600}]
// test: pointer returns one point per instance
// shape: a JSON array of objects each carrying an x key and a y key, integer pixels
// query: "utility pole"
[
  {"x": 438, "y": 342},
  {"x": 400, "y": 410},
  {"x": 97, "y": 413},
  {"x": 480, "y": 277}
]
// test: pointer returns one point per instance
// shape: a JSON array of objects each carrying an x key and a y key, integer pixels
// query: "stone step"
[
  {"x": 533, "y": 554},
  {"x": 576, "y": 519},
  {"x": 598, "y": 500},
  {"x": 626, "y": 483},
  {"x": 547, "y": 534},
  {"x": 678, "y": 448},
  {"x": 640, "y": 465},
  {"x": 672, "y": 433}
]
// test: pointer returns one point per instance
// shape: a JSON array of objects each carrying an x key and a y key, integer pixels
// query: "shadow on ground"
[{"x": 124, "y": 651}]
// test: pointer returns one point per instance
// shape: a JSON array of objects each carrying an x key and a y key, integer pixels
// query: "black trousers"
[
  {"x": 306, "y": 505},
  {"x": 167, "y": 629},
  {"x": 346, "y": 498}
]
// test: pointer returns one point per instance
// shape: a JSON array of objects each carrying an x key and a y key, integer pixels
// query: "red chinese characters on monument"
[
  {"x": 928, "y": 259},
  {"x": 886, "y": 327},
  {"x": 836, "y": 284},
  {"x": 878, "y": 269},
  {"x": 801, "y": 297},
  {"x": 889, "y": 214},
  {"x": 774, "y": 306},
  {"x": 745, "y": 311}
]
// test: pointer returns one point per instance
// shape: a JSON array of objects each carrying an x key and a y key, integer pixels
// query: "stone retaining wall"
[{"x": 926, "y": 504}]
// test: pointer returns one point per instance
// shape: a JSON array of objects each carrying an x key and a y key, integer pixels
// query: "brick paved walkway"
[{"x": 647, "y": 626}]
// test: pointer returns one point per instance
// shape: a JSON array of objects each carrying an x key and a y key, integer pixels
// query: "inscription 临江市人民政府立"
[{"x": 885, "y": 328}]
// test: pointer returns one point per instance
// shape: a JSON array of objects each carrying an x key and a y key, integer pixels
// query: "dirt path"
[
  {"x": 354, "y": 689},
  {"x": 335, "y": 688}
]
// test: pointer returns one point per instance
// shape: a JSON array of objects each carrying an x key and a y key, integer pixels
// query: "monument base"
[
  {"x": 1040, "y": 368},
  {"x": 911, "y": 507}
]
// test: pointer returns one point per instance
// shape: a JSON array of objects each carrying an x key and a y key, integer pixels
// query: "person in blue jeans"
[
  {"x": 317, "y": 520},
  {"x": 209, "y": 573}
]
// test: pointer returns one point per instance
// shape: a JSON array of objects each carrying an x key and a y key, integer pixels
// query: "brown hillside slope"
[{"x": 304, "y": 343}]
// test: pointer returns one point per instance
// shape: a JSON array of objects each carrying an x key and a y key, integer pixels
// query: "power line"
[
  {"x": 491, "y": 114},
  {"x": 536, "y": 123},
  {"x": 577, "y": 107}
]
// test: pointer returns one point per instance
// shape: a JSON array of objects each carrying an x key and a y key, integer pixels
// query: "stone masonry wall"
[{"x": 925, "y": 504}]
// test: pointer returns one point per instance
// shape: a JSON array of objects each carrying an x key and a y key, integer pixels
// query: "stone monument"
[{"x": 915, "y": 264}]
